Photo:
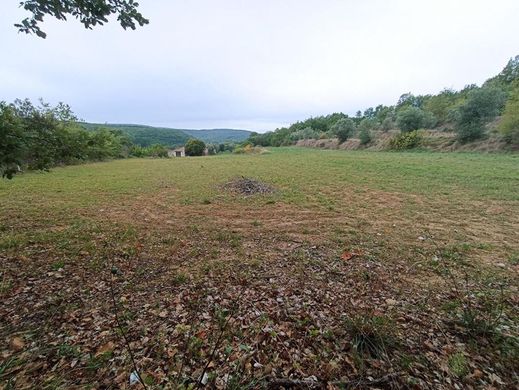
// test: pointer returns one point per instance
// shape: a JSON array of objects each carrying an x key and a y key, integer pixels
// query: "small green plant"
[
  {"x": 405, "y": 141},
  {"x": 458, "y": 364},
  {"x": 365, "y": 136},
  {"x": 179, "y": 279},
  {"x": 58, "y": 265},
  {"x": 371, "y": 335}
]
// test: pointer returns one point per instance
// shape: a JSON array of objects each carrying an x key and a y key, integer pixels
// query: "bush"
[
  {"x": 343, "y": 129},
  {"x": 410, "y": 119},
  {"x": 387, "y": 124},
  {"x": 306, "y": 133},
  {"x": 40, "y": 137},
  {"x": 406, "y": 141},
  {"x": 509, "y": 126},
  {"x": 365, "y": 136},
  {"x": 195, "y": 147},
  {"x": 481, "y": 106}
]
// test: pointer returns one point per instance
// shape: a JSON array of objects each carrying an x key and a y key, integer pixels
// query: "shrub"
[
  {"x": 482, "y": 105},
  {"x": 387, "y": 124},
  {"x": 406, "y": 141},
  {"x": 194, "y": 147},
  {"x": 343, "y": 129},
  {"x": 365, "y": 136},
  {"x": 509, "y": 126},
  {"x": 306, "y": 133},
  {"x": 410, "y": 119}
]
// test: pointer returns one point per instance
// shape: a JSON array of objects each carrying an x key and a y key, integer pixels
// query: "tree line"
[
  {"x": 39, "y": 137},
  {"x": 467, "y": 112}
]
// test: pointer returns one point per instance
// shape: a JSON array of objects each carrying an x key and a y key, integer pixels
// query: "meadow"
[{"x": 360, "y": 269}]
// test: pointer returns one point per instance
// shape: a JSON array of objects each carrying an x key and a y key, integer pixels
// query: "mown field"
[{"x": 362, "y": 269}]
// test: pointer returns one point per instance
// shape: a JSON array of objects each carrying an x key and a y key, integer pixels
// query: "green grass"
[
  {"x": 173, "y": 231},
  {"x": 297, "y": 171}
]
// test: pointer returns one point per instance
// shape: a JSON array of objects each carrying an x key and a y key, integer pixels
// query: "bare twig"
[
  {"x": 276, "y": 383},
  {"x": 215, "y": 347},
  {"x": 120, "y": 326}
]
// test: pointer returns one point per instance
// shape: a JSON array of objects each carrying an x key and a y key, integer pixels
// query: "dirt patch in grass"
[{"x": 247, "y": 186}]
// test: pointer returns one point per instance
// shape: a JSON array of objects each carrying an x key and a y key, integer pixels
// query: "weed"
[
  {"x": 371, "y": 335},
  {"x": 179, "y": 279},
  {"x": 58, "y": 265},
  {"x": 458, "y": 364}
]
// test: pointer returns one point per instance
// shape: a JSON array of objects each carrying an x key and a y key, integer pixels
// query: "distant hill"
[
  {"x": 149, "y": 135},
  {"x": 214, "y": 136}
]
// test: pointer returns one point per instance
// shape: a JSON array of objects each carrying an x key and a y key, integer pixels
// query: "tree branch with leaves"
[{"x": 89, "y": 12}]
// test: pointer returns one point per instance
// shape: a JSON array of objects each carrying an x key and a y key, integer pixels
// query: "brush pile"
[{"x": 248, "y": 187}]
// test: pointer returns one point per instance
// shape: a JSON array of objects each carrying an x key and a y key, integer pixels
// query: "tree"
[
  {"x": 365, "y": 136},
  {"x": 89, "y": 12},
  {"x": 410, "y": 118},
  {"x": 343, "y": 129},
  {"x": 481, "y": 106},
  {"x": 12, "y": 143},
  {"x": 40, "y": 137},
  {"x": 509, "y": 125},
  {"x": 194, "y": 147}
]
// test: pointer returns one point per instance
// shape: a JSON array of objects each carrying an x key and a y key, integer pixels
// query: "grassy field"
[{"x": 361, "y": 269}]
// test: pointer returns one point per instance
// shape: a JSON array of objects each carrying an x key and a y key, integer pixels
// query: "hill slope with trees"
[
  {"x": 149, "y": 135},
  {"x": 473, "y": 114}
]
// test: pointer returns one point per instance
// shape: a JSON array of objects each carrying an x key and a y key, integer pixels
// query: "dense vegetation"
[
  {"x": 195, "y": 147},
  {"x": 217, "y": 136},
  {"x": 40, "y": 137},
  {"x": 467, "y": 112},
  {"x": 149, "y": 135},
  {"x": 89, "y": 12}
]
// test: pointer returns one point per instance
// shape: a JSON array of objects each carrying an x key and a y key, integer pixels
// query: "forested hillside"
[
  {"x": 472, "y": 114},
  {"x": 215, "y": 136},
  {"x": 149, "y": 135}
]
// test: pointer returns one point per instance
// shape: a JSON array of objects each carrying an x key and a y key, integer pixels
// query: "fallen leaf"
[
  {"x": 108, "y": 347},
  {"x": 17, "y": 343}
]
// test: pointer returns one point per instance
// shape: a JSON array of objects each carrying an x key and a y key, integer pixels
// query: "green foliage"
[
  {"x": 467, "y": 110},
  {"x": 149, "y": 151},
  {"x": 195, "y": 147},
  {"x": 314, "y": 127},
  {"x": 218, "y": 135},
  {"x": 387, "y": 124},
  {"x": 89, "y": 12},
  {"x": 40, "y": 137},
  {"x": 440, "y": 105},
  {"x": 458, "y": 364},
  {"x": 343, "y": 129},
  {"x": 509, "y": 125},
  {"x": 507, "y": 77},
  {"x": 371, "y": 335},
  {"x": 306, "y": 133},
  {"x": 365, "y": 136},
  {"x": 405, "y": 141},
  {"x": 146, "y": 135},
  {"x": 410, "y": 119},
  {"x": 481, "y": 106},
  {"x": 368, "y": 124},
  {"x": 12, "y": 145}
]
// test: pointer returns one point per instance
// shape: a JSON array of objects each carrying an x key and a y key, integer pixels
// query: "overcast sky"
[{"x": 256, "y": 64}]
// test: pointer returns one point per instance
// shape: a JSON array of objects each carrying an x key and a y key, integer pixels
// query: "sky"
[{"x": 256, "y": 65}]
